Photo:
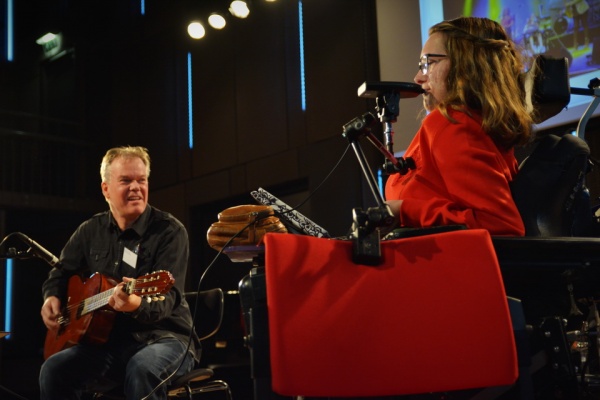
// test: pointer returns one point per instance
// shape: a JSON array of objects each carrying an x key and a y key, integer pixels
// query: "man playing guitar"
[{"x": 134, "y": 250}]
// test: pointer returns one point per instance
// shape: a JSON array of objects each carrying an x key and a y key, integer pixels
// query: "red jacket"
[{"x": 461, "y": 177}]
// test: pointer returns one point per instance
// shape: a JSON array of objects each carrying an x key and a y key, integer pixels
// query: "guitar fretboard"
[{"x": 96, "y": 301}]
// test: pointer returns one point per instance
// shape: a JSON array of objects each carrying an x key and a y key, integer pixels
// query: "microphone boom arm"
[
  {"x": 367, "y": 241},
  {"x": 35, "y": 250},
  {"x": 367, "y": 245}
]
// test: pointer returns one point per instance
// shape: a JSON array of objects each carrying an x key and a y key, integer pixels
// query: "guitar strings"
[
  {"x": 99, "y": 300},
  {"x": 92, "y": 303}
]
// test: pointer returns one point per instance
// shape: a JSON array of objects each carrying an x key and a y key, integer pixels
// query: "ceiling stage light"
[
  {"x": 217, "y": 21},
  {"x": 239, "y": 9},
  {"x": 196, "y": 30}
]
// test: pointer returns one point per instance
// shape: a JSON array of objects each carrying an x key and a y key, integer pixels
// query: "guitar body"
[
  {"x": 91, "y": 327},
  {"x": 87, "y": 317}
]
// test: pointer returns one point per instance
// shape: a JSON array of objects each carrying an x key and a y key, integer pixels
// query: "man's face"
[
  {"x": 433, "y": 81},
  {"x": 127, "y": 189}
]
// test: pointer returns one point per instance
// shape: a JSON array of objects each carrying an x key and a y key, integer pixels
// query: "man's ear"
[{"x": 104, "y": 187}]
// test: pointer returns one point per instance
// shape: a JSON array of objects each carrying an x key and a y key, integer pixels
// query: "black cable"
[
  {"x": 10, "y": 235},
  {"x": 197, "y": 304},
  {"x": 335, "y": 167},
  {"x": 258, "y": 218},
  {"x": 3, "y": 388},
  {"x": 16, "y": 396},
  {"x": 208, "y": 268}
]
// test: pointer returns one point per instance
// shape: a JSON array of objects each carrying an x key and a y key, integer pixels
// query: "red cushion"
[{"x": 433, "y": 317}]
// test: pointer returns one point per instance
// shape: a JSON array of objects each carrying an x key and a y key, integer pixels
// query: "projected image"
[{"x": 560, "y": 28}]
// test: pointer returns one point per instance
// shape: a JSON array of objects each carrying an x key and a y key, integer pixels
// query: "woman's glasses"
[{"x": 425, "y": 63}]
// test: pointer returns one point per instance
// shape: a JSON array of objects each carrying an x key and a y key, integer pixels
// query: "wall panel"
[
  {"x": 337, "y": 38},
  {"x": 260, "y": 85},
  {"x": 215, "y": 112}
]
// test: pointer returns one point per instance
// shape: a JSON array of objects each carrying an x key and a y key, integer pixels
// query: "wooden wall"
[
  {"x": 249, "y": 128},
  {"x": 124, "y": 82}
]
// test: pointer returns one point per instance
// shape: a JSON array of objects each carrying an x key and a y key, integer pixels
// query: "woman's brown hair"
[{"x": 486, "y": 76}]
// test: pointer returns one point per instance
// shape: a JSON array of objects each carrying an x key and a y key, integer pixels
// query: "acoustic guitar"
[{"x": 87, "y": 317}]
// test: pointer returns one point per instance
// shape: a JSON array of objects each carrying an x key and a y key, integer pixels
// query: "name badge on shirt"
[{"x": 130, "y": 257}]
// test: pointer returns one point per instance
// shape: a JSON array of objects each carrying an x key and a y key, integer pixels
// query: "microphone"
[
  {"x": 39, "y": 251},
  {"x": 375, "y": 89}
]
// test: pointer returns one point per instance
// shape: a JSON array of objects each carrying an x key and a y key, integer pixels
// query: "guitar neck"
[
  {"x": 96, "y": 301},
  {"x": 148, "y": 285},
  {"x": 79, "y": 322}
]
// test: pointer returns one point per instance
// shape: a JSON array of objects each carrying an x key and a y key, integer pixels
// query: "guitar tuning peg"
[
  {"x": 148, "y": 300},
  {"x": 161, "y": 298}
]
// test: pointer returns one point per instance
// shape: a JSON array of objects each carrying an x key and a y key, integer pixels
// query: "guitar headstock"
[{"x": 151, "y": 286}]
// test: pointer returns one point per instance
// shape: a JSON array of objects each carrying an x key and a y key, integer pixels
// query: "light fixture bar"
[
  {"x": 189, "y": 100},
  {"x": 302, "y": 72},
  {"x": 10, "y": 30},
  {"x": 8, "y": 296}
]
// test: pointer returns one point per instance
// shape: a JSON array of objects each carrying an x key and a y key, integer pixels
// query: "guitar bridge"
[{"x": 62, "y": 320}]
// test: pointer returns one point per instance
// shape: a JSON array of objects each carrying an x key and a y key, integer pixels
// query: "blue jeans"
[{"x": 136, "y": 367}]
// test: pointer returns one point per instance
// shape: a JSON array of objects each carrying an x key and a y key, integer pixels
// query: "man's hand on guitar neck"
[{"x": 121, "y": 301}]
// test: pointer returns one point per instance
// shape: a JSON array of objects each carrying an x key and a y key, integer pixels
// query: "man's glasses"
[{"x": 424, "y": 64}]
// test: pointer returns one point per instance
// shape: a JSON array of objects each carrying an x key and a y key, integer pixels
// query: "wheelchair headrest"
[
  {"x": 547, "y": 87},
  {"x": 549, "y": 188}
]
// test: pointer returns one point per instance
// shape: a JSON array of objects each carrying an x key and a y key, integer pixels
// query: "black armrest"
[
  {"x": 549, "y": 274},
  {"x": 548, "y": 252}
]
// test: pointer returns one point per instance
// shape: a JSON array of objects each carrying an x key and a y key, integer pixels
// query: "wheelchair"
[{"x": 551, "y": 276}]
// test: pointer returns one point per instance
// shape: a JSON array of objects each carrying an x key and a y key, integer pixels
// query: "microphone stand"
[
  {"x": 12, "y": 252},
  {"x": 365, "y": 232},
  {"x": 34, "y": 250},
  {"x": 388, "y": 108},
  {"x": 367, "y": 240}
]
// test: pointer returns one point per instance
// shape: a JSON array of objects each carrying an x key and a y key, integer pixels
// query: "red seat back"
[{"x": 433, "y": 317}]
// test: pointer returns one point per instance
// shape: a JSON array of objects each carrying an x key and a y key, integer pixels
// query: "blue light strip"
[
  {"x": 8, "y": 297},
  {"x": 9, "y": 31},
  {"x": 143, "y": 7},
  {"x": 302, "y": 75},
  {"x": 189, "y": 95},
  {"x": 380, "y": 181}
]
